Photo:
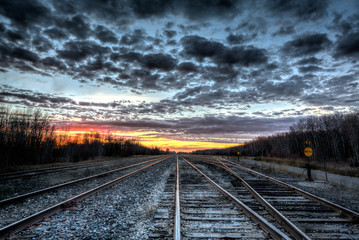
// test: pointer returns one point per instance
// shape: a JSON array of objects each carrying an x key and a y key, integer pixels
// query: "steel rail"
[
  {"x": 37, "y": 217},
  {"x": 352, "y": 215},
  {"x": 22, "y": 197},
  {"x": 34, "y": 172},
  {"x": 262, "y": 223},
  {"x": 177, "y": 231},
  {"x": 285, "y": 222},
  {"x": 29, "y": 173}
]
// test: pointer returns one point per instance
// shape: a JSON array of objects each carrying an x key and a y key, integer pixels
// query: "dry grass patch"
[{"x": 332, "y": 167}]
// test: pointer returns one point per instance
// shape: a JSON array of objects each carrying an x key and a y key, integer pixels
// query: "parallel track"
[
  {"x": 315, "y": 217},
  {"x": 9, "y": 230},
  {"x": 36, "y": 172},
  {"x": 24, "y": 196}
]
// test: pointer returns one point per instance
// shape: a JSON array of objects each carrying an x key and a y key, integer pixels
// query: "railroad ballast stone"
[{"x": 124, "y": 211}]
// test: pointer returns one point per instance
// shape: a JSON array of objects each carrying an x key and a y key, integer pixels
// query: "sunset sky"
[{"x": 182, "y": 75}]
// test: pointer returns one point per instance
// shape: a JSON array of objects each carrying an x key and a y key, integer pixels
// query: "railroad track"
[
  {"x": 205, "y": 210},
  {"x": 37, "y": 172},
  {"x": 212, "y": 198},
  {"x": 22, "y": 197},
  {"x": 314, "y": 217},
  {"x": 23, "y": 223}
]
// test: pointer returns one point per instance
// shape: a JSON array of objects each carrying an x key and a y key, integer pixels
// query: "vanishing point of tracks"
[{"x": 212, "y": 198}]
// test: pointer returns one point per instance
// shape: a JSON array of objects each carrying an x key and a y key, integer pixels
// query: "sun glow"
[{"x": 150, "y": 139}]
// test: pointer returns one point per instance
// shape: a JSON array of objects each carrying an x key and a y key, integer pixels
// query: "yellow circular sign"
[
  {"x": 237, "y": 153},
  {"x": 308, "y": 151}
]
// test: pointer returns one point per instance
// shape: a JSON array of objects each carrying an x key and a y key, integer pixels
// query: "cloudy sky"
[{"x": 182, "y": 74}]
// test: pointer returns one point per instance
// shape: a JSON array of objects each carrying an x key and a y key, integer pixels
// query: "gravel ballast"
[
  {"x": 339, "y": 195},
  {"x": 14, "y": 187},
  {"x": 124, "y": 211}
]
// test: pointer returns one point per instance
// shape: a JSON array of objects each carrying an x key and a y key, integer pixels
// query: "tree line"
[
  {"x": 333, "y": 138},
  {"x": 28, "y": 137}
]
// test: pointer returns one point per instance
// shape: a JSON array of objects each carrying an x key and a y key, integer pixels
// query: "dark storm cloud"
[
  {"x": 253, "y": 26},
  {"x": 195, "y": 10},
  {"x": 203, "y": 9},
  {"x": 345, "y": 86},
  {"x": 128, "y": 57},
  {"x": 200, "y": 48},
  {"x": 137, "y": 61},
  {"x": 56, "y": 33},
  {"x": 310, "y": 68},
  {"x": 124, "y": 12},
  {"x": 271, "y": 66},
  {"x": 284, "y": 30},
  {"x": 350, "y": 81},
  {"x": 42, "y": 44},
  {"x": 311, "y": 60},
  {"x": 17, "y": 35},
  {"x": 145, "y": 9},
  {"x": 112, "y": 10},
  {"x": 77, "y": 26},
  {"x": 304, "y": 9},
  {"x": 235, "y": 38},
  {"x": 53, "y": 62},
  {"x": 79, "y": 50},
  {"x": 24, "y": 67},
  {"x": 242, "y": 55},
  {"x": 171, "y": 43},
  {"x": 7, "y": 53},
  {"x": 191, "y": 92},
  {"x": 33, "y": 97},
  {"x": 138, "y": 36},
  {"x": 306, "y": 44},
  {"x": 159, "y": 61},
  {"x": 344, "y": 26},
  {"x": 187, "y": 67},
  {"x": 105, "y": 35},
  {"x": 25, "y": 13},
  {"x": 24, "y": 54},
  {"x": 348, "y": 46},
  {"x": 170, "y": 33}
]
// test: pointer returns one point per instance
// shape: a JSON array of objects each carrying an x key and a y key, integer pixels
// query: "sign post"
[
  {"x": 238, "y": 154},
  {"x": 308, "y": 153}
]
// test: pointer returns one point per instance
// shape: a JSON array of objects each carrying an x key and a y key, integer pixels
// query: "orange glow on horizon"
[{"x": 150, "y": 139}]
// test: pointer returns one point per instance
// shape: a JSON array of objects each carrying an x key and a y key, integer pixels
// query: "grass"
[{"x": 331, "y": 167}]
